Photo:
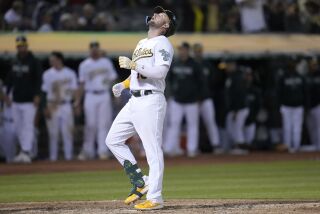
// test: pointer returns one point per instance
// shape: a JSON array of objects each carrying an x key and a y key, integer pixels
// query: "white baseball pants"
[
  {"x": 144, "y": 116},
  {"x": 235, "y": 125},
  {"x": 23, "y": 118},
  {"x": 313, "y": 124},
  {"x": 177, "y": 112},
  {"x": 275, "y": 135},
  {"x": 250, "y": 133},
  {"x": 98, "y": 118},
  {"x": 61, "y": 121},
  {"x": 8, "y": 137},
  {"x": 292, "y": 118},
  {"x": 207, "y": 112}
]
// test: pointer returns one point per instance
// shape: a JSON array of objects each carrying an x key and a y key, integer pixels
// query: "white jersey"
[
  {"x": 97, "y": 75},
  {"x": 59, "y": 85},
  {"x": 156, "y": 51}
]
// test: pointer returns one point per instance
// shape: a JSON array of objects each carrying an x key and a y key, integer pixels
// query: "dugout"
[{"x": 263, "y": 52}]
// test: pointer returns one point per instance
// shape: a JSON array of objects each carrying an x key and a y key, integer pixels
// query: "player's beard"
[{"x": 151, "y": 23}]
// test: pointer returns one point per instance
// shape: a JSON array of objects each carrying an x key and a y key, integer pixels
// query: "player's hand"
[
  {"x": 36, "y": 101},
  {"x": 7, "y": 100},
  {"x": 117, "y": 89},
  {"x": 47, "y": 113},
  {"x": 125, "y": 62}
]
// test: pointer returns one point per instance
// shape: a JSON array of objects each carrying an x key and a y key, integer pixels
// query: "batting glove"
[
  {"x": 126, "y": 63},
  {"x": 117, "y": 89}
]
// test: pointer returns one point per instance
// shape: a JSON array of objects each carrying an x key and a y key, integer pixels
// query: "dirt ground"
[
  {"x": 189, "y": 206},
  {"x": 171, "y": 206}
]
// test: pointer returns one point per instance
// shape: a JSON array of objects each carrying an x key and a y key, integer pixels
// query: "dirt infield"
[
  {"x": 78, "y": 166},
  {"x": 171, "y": 206}
]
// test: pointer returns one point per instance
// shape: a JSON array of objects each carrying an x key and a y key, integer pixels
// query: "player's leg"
[
  {"x": 166, "y": 123},
  {"x": 90, "y": 112},
  {"x": 311, "y": 122},
  {"x": 230, "y": 126},
  {"x": 239, "y": 125},
  {"x": 171, "y": 146},
  {"x": 148, "y": 119},
  {"x": 67, "y": 127},
  {"x": 53, "y": 132},
  {"x": 286, "y": 125},
  {"x": 207, "y": 112},
  {"x": 9, "y": 140},
  {"x": 103, "y": 124},
  {"x": 192, "y": 119},
  {"x": 26, "y": 115},
  {"x": 297, "y": 119},
  {"x": 29, "y": 112},
  {"x": 122, "y": 129},
  {"x": 317, "y": 126},
  {"x": 17, "y": 122},
  {"x": 249, "y": 133}
]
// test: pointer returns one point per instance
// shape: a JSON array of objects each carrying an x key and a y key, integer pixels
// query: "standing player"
[
  {"x": 24, "y": 81},
  {"x": 207, "y": 108},
  {"x": 185, "y": 83},
  {"x": 8, "y": 140},
  {"x": 313, "y": 113},
  {"x": 144, "y": 113},
  {"x": 59, "y": 84},
  {"x": 96, "y": 74},
  {"x": 292, "y": 95},
  {"x": 236, "y": 106}
]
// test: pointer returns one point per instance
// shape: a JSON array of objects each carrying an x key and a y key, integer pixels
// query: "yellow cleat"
[
  {"x": 136, "y": 194},
  {"x": 148, "y": 205}
]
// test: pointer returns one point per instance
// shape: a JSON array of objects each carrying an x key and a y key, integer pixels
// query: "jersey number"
[{"x": 141, "y": 76}]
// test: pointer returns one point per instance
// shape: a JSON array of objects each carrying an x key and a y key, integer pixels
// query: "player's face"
[
  {"x": 54, "y": 61},
  {"x": 94, "y": 51},
  {"x": 198, "y": 52},
  {"x": 159, "y": 19},
  {"x": 183, "y": 53},
  {"x": 230, "y": 67},
  {"x": 22, "y": 49}
]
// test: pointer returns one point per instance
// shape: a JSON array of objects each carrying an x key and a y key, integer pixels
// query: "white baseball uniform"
[
  {"x": 292, "y": 119},
  {"x": 97, "y": 76},
  {"x": 8, "y": 136},
  {"x": 145, "y": 114},
  {"x": 313, "y": 124},
  {"x": 60, "y": 86}
]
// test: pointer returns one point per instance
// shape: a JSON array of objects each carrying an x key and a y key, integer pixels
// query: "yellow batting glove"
[{"x": 126, "y": 63}]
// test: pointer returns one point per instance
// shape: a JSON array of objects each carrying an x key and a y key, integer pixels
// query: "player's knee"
[{"x": 109, "y": 140}]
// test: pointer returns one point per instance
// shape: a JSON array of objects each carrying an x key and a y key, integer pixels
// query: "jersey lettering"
[{"x": 141, "y": 53}]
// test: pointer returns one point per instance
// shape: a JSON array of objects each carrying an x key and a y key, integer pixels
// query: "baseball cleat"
[
  {"x": 148, "y": 205},
  {"x": 22, "y": 158},
  {"x": 136, "y": 194}
]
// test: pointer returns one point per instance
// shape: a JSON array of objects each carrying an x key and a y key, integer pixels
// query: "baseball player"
[
  {"x": 24, "y": 81},
  {"x": 313, "y": 116},
  {"x": 253, "y": 102},
  {"x": 145, "y": 111},
  {"x": 8, "y": 139},
  {"x": 207, "y": 109},
  {"x": 59, "y": 84},
  {"x": 96, "y": 73},
  {"x": 185, "y": 83},
  {"x": 237, "y": 110},
  {"x": 292, "y": 98}
]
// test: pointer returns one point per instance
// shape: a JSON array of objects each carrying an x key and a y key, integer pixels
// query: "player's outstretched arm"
[
  {"x": 156, "y": 72},
  {"x": 118, "y": 88}
]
